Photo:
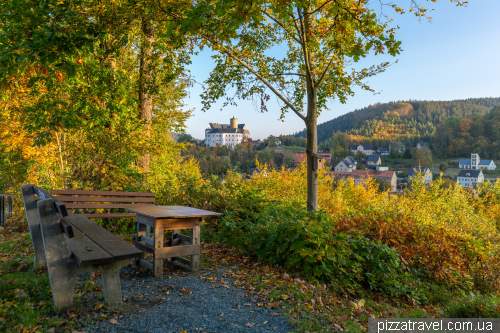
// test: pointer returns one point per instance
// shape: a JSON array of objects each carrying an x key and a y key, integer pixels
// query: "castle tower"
[{"x": 233, "y": 122}]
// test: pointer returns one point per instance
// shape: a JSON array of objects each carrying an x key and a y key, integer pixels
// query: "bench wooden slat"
[
  {"x": 84, "y": 205},
  {"x": 110, "y": 215},
  {"x": 102, "y": 199},
  {"x": 110, "y": 243},
  {"x": 110, "y": 193},
  {"x": 79, "y": 245}
]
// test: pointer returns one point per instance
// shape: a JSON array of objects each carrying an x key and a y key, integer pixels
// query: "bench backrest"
[{"x": 82, "y": 199}]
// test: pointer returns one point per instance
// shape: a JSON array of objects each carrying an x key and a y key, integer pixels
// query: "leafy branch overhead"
[{"x": 316, "y": 43}]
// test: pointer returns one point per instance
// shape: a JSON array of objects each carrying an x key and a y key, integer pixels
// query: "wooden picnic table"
[{"x": 175, "y": 218}]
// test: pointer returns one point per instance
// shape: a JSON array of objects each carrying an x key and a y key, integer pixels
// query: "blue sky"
[{"x": 457, "y": 56}]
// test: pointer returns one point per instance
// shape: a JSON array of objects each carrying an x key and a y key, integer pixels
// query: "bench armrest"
[{"x": 67, "y": 228}]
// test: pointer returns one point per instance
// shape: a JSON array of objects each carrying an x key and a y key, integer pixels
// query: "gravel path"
[{"x": 181, "y": 301}]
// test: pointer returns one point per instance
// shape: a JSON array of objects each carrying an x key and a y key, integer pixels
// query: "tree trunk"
[
  {"x": 145, "y": 84},
  {"x": 311, "y": 121},
  {"x": 312, "y": 149}
]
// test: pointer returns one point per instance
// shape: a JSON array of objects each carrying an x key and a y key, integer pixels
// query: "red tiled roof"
[
  {"x": 299, "y": 158},
  {"x": 373, "y": 174}
]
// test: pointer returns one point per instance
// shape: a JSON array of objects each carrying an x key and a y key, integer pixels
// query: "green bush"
[
  {"x": 473, "y": 306},
  {"x": 307, "y": 243}
]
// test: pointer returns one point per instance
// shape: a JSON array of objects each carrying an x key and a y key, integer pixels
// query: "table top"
[{"x": 166, "y": 212}]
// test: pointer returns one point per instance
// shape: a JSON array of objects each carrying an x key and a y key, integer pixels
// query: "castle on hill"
[{"x": 229, "y": 135}]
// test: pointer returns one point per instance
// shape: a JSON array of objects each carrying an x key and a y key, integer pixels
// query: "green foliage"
[
  {"x": 307, "y": 243},
  {"x": 474, "y": 306},
  {"x": 423, "y": 156}
]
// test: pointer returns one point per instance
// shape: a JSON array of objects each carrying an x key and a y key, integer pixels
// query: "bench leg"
[
  {"x": 30, "y": 206},
  {"x": 62, "y": 268},
  {"x": 110, "y": 274}
]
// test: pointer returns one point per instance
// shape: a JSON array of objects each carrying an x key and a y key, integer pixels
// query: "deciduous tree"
[{"x": 318, "y": 40}]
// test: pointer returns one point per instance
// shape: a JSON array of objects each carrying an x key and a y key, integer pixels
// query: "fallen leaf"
[
  {"x": 248, "y": 325},
  {"x": 361, "y": 303},
  {"x": 113, "y": 320},
  {"x": 275, "y": 314},
  {"x": 260, "y": 304},
  {"x": 98, "y": 306},
  {"x": 19, "y": 293},
  {"x": 284, "y": 297}
]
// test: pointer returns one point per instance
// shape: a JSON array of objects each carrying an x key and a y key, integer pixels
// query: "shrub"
[
  {"x": 307, "y": 243},
  {"x": 473, "y": 306}
]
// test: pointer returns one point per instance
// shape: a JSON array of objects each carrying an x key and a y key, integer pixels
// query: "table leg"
[
  {"x": 158, "y": 244},
  {"x": 174, "y": 232},
  {"x": 195, "y": 240}
]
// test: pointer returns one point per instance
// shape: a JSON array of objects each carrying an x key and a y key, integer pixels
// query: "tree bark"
[
  {"x": 311, "y": 119},
  {"x": 145, "y": 84}
]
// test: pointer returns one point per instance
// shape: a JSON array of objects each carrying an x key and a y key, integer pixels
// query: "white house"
[
  {"x": 468, "y": 178},
  {"x": 229, "y": 135},
  {"x": 363, "y": 149},
  {"x": 424, "y": 171},
  {"x": 475, "y": 163},
  {"x": 348, "y": 164}
]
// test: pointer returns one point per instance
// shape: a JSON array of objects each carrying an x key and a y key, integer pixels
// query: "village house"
[
  {"x": 298, "y": 158},
  {"x": 468, "y": 178},
  {"x": 383, "y": 151},
  {"x": 373, "y": 160},
  {"x": 229, "y": 135},
  {"x": 348, "y": 164},
  {"x": 423, "y": 144},
  {"x": 361, "y": 176},
  {"x": 362, "y": 149},
  {"x": 424, "y": 172},
  {"x": 475, "y": 163}
]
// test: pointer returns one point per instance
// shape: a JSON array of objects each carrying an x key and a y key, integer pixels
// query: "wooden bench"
[
  {"x": 83, "y": 200},
  {"x": 70, "y": 245}
]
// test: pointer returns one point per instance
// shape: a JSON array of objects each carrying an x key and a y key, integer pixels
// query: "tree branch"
[
  {"x": 263, "y": 80},
  {"x": 280, "y": 24},
  {"x": 298, "y": 74},
  {"x": 324, "y": 73}
]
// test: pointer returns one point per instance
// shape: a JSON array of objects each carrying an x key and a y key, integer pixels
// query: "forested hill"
[{"x": 401, "y": 120}]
